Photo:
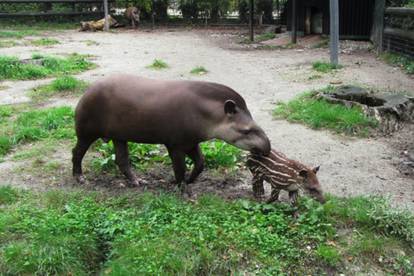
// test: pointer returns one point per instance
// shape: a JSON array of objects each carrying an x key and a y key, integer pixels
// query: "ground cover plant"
[
  {"x": 33, "y": 125},
  {"x": 12, "y": 68},
  {"x": 60, "y": 86},
  {"x": 17, "y": 33},
  {"x": 324, "y": 67},
  {"x": 199, "y": 70},
  {"x": 404, "y": 63},
  {"x": 318, "y": 113},
  {"x": 44, "y": 42},
  {"x": 8, "y": 43},
  {"x": 158, "y": 64},
  {"x": 87, "y": 233}
]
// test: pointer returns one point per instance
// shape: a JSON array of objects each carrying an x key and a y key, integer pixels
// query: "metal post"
[
  {"x": 251, "y": 19},
  {"x": 294, "y": 31},
  {"x": 334, "y": 34},
  {"x": 106, "y": 25}
]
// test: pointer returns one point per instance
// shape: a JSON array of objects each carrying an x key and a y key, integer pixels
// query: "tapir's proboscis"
[{"x": 178, "y": 114}]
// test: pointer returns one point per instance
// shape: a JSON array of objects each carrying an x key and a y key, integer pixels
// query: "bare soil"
[{"x": 349, "y": 166}]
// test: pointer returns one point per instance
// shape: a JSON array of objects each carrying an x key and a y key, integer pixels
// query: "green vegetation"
[
  {"x": 85, "y": 233},
  {"x": 403, "y": 62},
  {"x": 43, "y": 66},
  {"x": 324, "y": 67},
  {"x": 264, "y": 37},
  {"x": 8, "y": 43},
  {"x": 322, "y": 44},
  {"x": 17, "y": 34},
  {"x": 91, "y": 43},
  {"x": 45, "y": 42},
  {"x": 62, "y": 85},
  {"x": 199, "y": 70},
  {"x": 318, "y": 113},
  {"x": 28, "y": 28},
  {"x": 158, "y": 64},
  {"x": 34, "y": 125},
  {"x": 217, "y": 154}
]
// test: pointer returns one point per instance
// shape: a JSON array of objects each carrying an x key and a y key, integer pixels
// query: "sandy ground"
[{"x": 349, "y": 166}]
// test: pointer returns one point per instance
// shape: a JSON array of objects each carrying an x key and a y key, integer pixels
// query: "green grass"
[
  {"x": 217, "y": 154},
  {"x": 158, "y": 64},
  {"x": 8, "y": 43},
  {"x": 90, "y": 233},
  {"x": 44, "y": 42},
  {"x": 318, "y": 113},
  {"x": 199, "y": 70},
  {"x": 324, "y": 67},
  {"x": 12, "y": 68},
  {"x": 34, "y": 27},
  {"x": 17, "y": 34},
  {"x": 34, "y": 125},
  {"x": 264, "y": 37},
  {"x": 403, "y": 62},
  {"x": 60, "y": 86},
  {"x": 91, "y": 43}
]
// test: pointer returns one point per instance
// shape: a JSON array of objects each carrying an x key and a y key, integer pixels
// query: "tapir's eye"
[{"x": 245, "y": 131}]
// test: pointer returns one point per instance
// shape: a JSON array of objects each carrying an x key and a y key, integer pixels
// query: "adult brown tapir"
[{"x": 178, "y": 114}]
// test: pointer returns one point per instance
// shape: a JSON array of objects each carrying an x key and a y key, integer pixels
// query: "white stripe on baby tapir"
[
  {"x": 280, "y": 164},
  {"x": 270, "y": 170}
]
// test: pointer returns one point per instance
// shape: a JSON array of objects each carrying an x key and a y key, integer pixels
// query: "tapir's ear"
[
  {"x": 316, "y": 169},
  {"x": 303, "y": 173},
  {"x": 230, "y": 107}
]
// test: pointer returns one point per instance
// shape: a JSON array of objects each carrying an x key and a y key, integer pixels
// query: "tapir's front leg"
[
  {"x": 178, "y": 162},
  {"x": 197, "y": 157}
]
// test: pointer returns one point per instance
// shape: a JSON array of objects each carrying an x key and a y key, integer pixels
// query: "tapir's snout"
[{"x": 264, "y": 148}]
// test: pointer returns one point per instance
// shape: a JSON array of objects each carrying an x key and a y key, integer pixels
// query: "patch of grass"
[
  {"x": 91, "y": 43},
  {"x": 264, "y": 37},
  {"x": 8, "y": 195},
  {"x": 322, "y": 44},
  {"x": 368, "y": 244},
  {"x": 318, "y": 113},
  {"x": 13, "y": 68},
  {"x": 315, "y": 77},
  {"x": 78, "y": 233},
  {"x": 36, "y": 26},
  {"x": 62, "y": 85},
  {"x": 8, "y": 43},
  {"x": 17, "y": 33},
  {"x": 217, "y": 155},
  {"x": 199, "y": 70},
  {"x": 329, "y": 255},
  {"x": 325, "y": 67},
  {"x": 35, "y": 125},
  {"x": 44, "y": 42},
  {"x": 158, "y": 64},
  {"x": 404, "y": 63}
]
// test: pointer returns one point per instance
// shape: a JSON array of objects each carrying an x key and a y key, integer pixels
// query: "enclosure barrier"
[{"x": 398, "y": 34}]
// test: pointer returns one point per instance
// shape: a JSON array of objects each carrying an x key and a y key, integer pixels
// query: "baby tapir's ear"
[
  {"x": 303, "y": 173},
  {"x": 316, "y": 169}
]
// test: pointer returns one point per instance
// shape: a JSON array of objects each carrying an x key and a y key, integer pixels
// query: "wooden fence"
[{"x": 94, "y": 9}]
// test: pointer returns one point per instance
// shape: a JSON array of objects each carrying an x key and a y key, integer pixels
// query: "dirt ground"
[{"x": 349, "y": 166}]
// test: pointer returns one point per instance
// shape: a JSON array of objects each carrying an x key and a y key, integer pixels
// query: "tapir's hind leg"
[
  {"x": 122, "y": 160},
  {"x": 178, "y": 162},
  {"x": 197, "y": 157},
  {"x": 78, "y": 153}
]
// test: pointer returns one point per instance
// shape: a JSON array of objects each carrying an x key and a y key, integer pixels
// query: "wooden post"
[
  {"x": 294, "y": 31},
  {"x": 334, "y": 34},
  {"x": 251, "y": 20},
  {"x": 378, "y": 25},
  {"x": 106, "y": 25}
]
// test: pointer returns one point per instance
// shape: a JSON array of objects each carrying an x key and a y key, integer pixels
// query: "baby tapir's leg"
[
  {"x": 293, "y": 196},
  {"x": 274, "y": 196},
  {"x": 258, "y": 188}
]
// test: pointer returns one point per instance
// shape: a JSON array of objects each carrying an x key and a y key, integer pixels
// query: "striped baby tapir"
[{"x": 283, "y": 173}]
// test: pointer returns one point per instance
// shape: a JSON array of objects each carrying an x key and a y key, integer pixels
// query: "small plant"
[
  {"x": 265, "y": 36},
  {"x": 315, "y": 77},
  {"x": 8, "y": 43},
  {"x": 158, "y": 64},
  {"x": 405, "y": 63},
  {"x": 328, "y": 255},
  {"x": 8, "y": 195},
  {"x": 199, "y": 70},
  {"x": 91, "y": 43},
  {"x": 44, "y": 42},
  {"x": 324, "y": 67},
  {"x": 61, "y": 85},
  {"x": 318, "y": 113}
]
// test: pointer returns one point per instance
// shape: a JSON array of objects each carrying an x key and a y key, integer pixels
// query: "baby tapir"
[
  {"x": 177, "y": 114},
  {"x": 283, "y": 173}
]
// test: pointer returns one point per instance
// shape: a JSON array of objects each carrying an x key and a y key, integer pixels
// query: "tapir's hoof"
[{"x": 137, "y": 182}]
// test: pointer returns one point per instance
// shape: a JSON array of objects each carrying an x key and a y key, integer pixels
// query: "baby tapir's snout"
[{"x": 311, "y": 183}]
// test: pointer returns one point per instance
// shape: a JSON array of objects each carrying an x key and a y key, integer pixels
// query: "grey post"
[
  {"x": 294, "y": 28},
  {"x": 251, "y": 20},
  {"x": 378, "y": 26},
  {"x": 334, "y": 34},
  {"x": 106, "y": 25}
]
